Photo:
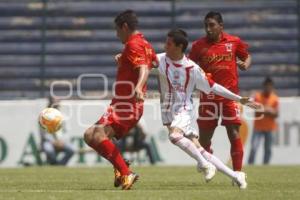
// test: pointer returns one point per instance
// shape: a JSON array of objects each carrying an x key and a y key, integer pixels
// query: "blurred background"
[
  {"x": 48, "y": 45},
  {"x": 47, "y": 40}
]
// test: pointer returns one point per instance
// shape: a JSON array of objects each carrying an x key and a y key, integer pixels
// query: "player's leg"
[
  {"x": 99, "y": 138},
  {"x": 116, "y": 122},
  {"x": 214, "y": 160},
  {"x": 177, "y": 137},
  {"x": 207, "y": 122},
  {"x": 205, "y": 138},
  {"x": 220, "y": 165},
  {"x": 236, "y": 149},
  {"x": 230, "y": 112}
]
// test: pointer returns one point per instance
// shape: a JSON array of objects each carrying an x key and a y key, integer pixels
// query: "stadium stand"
[{"x": 79, "y": 38}]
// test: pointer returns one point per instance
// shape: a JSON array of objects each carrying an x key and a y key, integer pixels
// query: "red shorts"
[
  {"x": 211, "y": 111},
  {"x": 122, "y": 116}
]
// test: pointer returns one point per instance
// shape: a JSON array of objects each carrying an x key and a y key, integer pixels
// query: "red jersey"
[
  {"x": 218, "y": 60},
  {"x": 137, "y": 51}
]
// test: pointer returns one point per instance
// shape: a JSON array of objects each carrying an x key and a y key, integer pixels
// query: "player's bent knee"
[
  {"x": 87, "y": 136},
  {"x": 174, "y": 137},
  {"x": 100, "y": 134}
]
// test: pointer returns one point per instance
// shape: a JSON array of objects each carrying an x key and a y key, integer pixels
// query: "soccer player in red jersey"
[
  {"x": 126, "y": 107},
  {"x": 217, "y": 55}
]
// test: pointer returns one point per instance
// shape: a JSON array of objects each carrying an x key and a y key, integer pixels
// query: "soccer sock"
[
  {"x": 188, "y": 147},
  {"x": 207, "y": 147},
  {"x": 237, "y": 154},
  {"x": 109, "y": 151},
  {"x": 217, "y": 162}
]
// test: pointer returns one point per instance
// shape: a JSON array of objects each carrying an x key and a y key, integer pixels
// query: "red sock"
[
  {"x": 109, "y": 151},
  {"x": 208, "y": 148},
  {"x": 237, "y": 154}
]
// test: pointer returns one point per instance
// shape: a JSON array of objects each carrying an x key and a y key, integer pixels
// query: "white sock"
[
  {"x": 218, "y": 163},
  {"x": 188, "y": 147}
]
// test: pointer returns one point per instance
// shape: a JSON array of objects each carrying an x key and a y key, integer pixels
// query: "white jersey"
[{"x": 177, "y": 81}]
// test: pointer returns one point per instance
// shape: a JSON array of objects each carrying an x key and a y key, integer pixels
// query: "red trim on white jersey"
[
  {"x": 169, "y": 83},
  {"x": 177, "y": 65},
  {"x": 187, "y": 80},
  {"x": 210, "y": 81}
]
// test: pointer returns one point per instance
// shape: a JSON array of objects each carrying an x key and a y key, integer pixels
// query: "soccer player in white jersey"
[{"x": 178, "y": 77}]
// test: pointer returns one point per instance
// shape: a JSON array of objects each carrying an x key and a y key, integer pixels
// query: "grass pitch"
[{"x": 183, "y": 183}]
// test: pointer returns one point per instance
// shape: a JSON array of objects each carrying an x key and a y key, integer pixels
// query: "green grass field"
[{"x": 155, "y": 183}]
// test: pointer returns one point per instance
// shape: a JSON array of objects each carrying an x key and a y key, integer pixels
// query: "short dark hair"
[
  {"x": 129, "y": 17},
  {"x": 268, "y": 80},
  {"x": 179, "y": 37},
  {"x": 215, "y": 15}
]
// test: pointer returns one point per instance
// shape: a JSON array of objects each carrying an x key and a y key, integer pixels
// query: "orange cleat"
[
  {"x": 117, "y": 181},
  {"x": 127, "y": 181}
]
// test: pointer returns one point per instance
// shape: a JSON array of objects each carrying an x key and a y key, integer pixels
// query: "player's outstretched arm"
[
  {"x": 222, "y": 91},
  {"x": 207, "y": 85}
]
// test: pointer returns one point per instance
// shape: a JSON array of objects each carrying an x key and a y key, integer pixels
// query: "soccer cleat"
[
  {"x": 128, "y": 180},
  {"x": 117, "y": 181},
  {"x": 209, "y": 171},
  {"x": 240, "y": 179}
]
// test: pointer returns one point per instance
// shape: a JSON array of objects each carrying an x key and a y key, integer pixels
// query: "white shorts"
[{"x": 182, "y": 120}]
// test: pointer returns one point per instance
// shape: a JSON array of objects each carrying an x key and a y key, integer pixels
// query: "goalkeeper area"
[{"x": 184, "y": 183}]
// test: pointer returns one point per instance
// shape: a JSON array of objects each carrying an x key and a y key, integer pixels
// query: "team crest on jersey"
[
  {"x": 176, "y": 75},
  {"x": 176, "y": 82},
  {"x": 228, "y": 47}
]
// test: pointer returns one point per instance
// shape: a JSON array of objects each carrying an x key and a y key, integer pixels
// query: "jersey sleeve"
[
  {"x": 242, "y": 49},
  {"x": 138, "y": 54},
  {"x": 203, "y": 82},
  {"x": 160, "y": 60}
]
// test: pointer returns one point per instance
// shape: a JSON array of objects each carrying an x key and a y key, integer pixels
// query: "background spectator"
[{"x": 264, "y": 124}]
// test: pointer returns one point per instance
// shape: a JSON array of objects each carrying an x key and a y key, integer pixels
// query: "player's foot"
[
  {"x": 128, "y": 180},
  {"x": 209, "y": 171},
  {"x": 117, "y": 181},
  {"x": 240, "y": 180}
]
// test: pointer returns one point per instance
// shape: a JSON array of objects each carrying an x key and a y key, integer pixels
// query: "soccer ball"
[{"x": 51, "y": 120}]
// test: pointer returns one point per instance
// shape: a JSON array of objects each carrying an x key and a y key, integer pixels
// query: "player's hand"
[
  {"x": 139, "y": 95},
  {"x": 117, "y": 58},
  {"x": 247, "y": 101},
  {"x": 154, "y": 64},
  {"x": 242, "y": 65}
]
